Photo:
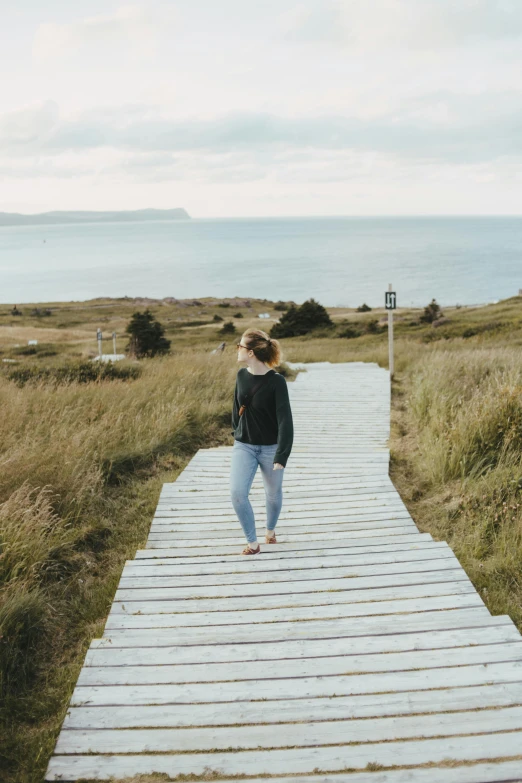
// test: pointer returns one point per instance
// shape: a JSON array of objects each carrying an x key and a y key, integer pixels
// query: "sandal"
[
  {"x": 272, "y": 540},
  {"x": 248, "y": 551}
]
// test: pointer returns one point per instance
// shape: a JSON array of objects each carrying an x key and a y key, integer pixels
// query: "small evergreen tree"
[
  {"x": 301, "y": 320},
  {"x": 146, "y": 336},
  {"x": 217, "y": 317},
  {"x": 228, "y": 328},
  {"x": 432, "y": 312},
  {"x": 364, "y": 308}
]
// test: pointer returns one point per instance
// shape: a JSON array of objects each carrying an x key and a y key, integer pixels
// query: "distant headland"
[{"x": 61, "y": 217}]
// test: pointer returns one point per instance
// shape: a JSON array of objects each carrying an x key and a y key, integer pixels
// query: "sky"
[{"x": 244, "y": 108}]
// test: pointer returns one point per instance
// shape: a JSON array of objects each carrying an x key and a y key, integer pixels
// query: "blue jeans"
[{"x": 245, "y": 459}]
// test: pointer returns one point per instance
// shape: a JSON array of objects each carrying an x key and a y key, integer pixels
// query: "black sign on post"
[{"x": 390, "y": 300}]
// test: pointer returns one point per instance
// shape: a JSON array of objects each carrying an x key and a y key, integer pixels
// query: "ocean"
[{"x": 338, "y": 261}]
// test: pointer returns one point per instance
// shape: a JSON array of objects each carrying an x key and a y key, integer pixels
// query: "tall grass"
[
  {"x": 80, "y": 469},
  {"x": 457, "y": 449}
]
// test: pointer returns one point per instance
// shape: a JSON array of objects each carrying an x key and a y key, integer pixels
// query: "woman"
[{"x": 263, "y": 433}]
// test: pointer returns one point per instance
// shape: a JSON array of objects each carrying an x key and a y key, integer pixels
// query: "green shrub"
[
  {"x": 224, "y": 304},
  {"x": 217, "y": 318},
  {"x": 432, "y": 312},
  {"x": 363, "y": 308},
  {"x": 78, "y": 372},
  {"x": 228, "y": 328},
  {"x": 238, "y": 315},
  {"x": 301, "y": 320},
  {"x": 349, "y": 332}
]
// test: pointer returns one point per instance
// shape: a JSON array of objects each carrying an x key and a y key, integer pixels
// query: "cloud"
[
  {"x": 27, "y": 126},
  {"x": 414, "y": 24},
  {"x": 442, "y": 126},
  {"x": 130, "y": 25}
]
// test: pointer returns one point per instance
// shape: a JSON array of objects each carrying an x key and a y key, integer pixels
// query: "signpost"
[
  {"x": 390, "y": 303},
  {"x": 99, "y": 336}
]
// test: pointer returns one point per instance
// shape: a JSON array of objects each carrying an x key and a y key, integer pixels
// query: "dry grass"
[{"x": 81, "y": 469}]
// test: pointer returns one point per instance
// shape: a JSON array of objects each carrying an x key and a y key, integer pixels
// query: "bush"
[
  {"x": 217, "y": 317},
  {"x": 80, "y": 372},
  {"x": 349, "y": 332},
  {"x": 147, "y": 336},
  {"x": 372, "y": 327},
  {"x": 364, "y": 309},
  {"x": 301, "y": 320},
  {"x": 238, "y": 315},
  {"x": 432, "y": 312},
  {"x": 24, "y": 350},
  {"x": 224, "y": 304},
  {"x": 281, "y": 305},
  {"x": 228, "y": 328}
]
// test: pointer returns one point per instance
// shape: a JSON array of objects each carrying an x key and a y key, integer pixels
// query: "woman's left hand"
[{"x": 278, "y": 466}]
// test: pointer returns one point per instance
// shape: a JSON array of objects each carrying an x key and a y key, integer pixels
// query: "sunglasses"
[{"x": 238, "y": 346}]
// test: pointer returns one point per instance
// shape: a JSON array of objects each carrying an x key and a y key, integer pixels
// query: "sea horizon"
[{"x": 339, "y": 260}]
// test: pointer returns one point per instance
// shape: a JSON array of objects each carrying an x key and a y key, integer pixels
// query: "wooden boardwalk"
[{"x": 354, "y": 650}]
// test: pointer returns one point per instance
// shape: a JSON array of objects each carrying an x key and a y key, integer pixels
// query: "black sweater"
[{"x": 268, "y": 416}]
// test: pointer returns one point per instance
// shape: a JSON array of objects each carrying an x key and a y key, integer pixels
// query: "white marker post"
[
  {"x": 99, "y": 337},
  {"x": 114, "y": 343},
  {"x": 390, "y": 302}
]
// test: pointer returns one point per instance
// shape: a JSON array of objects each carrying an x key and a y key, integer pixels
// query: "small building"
[{"x": 263, "y": 315}]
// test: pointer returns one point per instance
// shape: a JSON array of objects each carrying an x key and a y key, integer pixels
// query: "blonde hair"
[{"x": 265, "y": 348}]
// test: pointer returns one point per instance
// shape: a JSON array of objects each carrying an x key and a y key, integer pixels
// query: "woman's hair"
[{"x": 265, "y": 348}]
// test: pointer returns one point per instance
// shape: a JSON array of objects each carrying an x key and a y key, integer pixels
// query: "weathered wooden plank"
[
  {"x": 288, "y": 521},
  {"x": 339, "y": 533},
  {"x": 166, "y": 576},
  {"x": 339, "y": 510},
  {"x": 148, "y": 616},
  {"x": 334, "y": 499},
  {"x": 294, "y": 487},
  {"x": 302, "y": 760},
  {"x": 301, "y": 735},
  {"x": 302, "y": 553},
  {"x": 491, "y": 632},
  {"x": 305, "y": 629},
  {"x": 341, "y": 707},
  {"x": 282, "y": 588},
  {"x": 359, "y": 600},
  {"x": 218, "y": 548},
  {"x": 279, "y": 689},
  {"x": 291, "y": 524},
  {"x": 308, "y": 667},
  {"x": 248, "y": 566}
]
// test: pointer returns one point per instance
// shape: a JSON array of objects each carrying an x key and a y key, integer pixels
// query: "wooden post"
[
  {"x": 390, "y": 336},
  {"x": 99, "y": 336},
  {"x": 114, "y": 343}
]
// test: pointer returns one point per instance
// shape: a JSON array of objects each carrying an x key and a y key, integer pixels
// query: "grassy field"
[{"x": 82, "y": 464}]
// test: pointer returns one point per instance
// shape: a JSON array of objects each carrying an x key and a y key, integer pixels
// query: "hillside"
[
  {"x": 61, "y": 217},
  {"x": 83, "y": 461}
]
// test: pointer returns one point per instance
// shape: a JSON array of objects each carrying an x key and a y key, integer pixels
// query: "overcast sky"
[{"x": 242, "y": 107}]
